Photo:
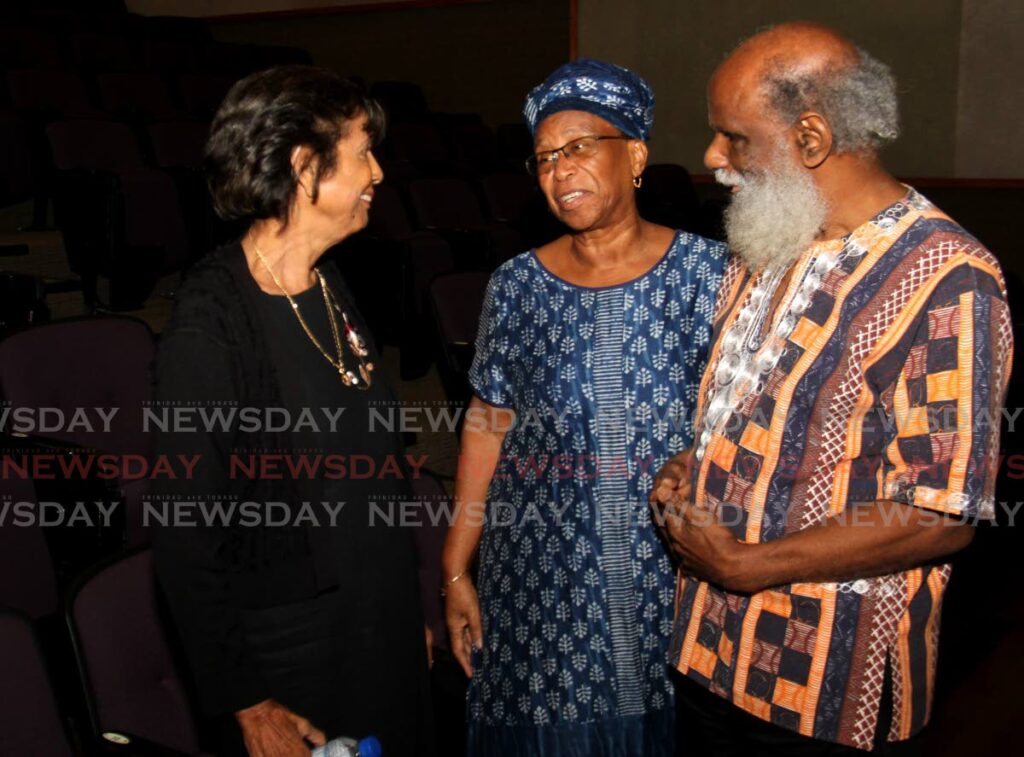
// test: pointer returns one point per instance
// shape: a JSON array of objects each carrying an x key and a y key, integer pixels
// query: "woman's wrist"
[
  {"x": 451, "y": 575},
  {"x": 455, "y": 577},
  {"x": 450, "y": 582},
  {"x": 455, "y": 560}
]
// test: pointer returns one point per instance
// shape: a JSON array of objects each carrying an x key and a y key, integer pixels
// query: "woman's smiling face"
[{"x": 345, "y": 194}]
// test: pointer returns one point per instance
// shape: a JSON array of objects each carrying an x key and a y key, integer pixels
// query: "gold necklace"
[{"x": 355, "y": 341}]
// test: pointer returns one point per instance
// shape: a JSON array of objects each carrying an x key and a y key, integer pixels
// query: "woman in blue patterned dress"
[{"x": 589, "y": 355}]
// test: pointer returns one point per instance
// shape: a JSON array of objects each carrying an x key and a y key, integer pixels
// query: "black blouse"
[{"x": 229, "y": 344}]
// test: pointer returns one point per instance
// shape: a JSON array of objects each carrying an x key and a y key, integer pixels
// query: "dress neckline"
[
  {"x": 301, "y": 297},
  {"x": 547, "y": 271}
]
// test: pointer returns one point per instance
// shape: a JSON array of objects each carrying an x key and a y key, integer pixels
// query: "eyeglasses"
[{"x": 581, "y": 147}]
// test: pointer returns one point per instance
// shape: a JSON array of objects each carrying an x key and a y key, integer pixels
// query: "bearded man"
[{"x": 847, "y": 424}]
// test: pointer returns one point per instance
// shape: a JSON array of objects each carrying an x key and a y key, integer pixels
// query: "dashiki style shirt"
[
  {"x": 575, "y": 587},
  {"x": 890, "y": 388}
]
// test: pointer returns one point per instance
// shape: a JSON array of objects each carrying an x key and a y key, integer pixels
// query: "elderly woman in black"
[{"x": 298, "y": 614}]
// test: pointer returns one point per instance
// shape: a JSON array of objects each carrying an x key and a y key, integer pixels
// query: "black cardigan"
[{"x": 209, "y": 574}]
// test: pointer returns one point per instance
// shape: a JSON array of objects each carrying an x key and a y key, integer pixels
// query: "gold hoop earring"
[{"x": 637, "y": 181}]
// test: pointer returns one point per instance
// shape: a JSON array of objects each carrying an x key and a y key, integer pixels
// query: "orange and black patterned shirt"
[{"x": 890, "y": 388}]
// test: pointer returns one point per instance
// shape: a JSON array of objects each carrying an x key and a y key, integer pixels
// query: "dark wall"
[
  {"x": 479, "y": 58},
  {"x": 957, "y": 63}
]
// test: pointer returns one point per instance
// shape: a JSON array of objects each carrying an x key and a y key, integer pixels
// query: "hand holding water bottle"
[{"x": 270, "y": 729}]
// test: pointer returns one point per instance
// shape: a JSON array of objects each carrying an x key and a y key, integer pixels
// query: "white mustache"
[{"x": 729, "y": 178}]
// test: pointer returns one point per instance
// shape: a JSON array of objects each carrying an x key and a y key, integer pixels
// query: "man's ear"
[
  {"x": 304, "y": 169},
  {"x": 813, "y": 139}
]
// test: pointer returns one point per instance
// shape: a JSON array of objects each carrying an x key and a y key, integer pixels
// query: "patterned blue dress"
[{"x": 576, "y": 591}]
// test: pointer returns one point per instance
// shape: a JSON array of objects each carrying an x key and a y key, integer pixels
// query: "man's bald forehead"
[
  {"x": 794, "y": 45},
  {"x": 803, "y": 37}
]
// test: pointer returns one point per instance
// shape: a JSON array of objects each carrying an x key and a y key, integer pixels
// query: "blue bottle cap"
[{"x": 369, "y": 747}]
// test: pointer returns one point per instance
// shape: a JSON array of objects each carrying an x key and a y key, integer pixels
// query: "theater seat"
[
  {"x": 127, "y": 669},
  {"x": 403, "y": 101},
  {"x": 27, "y": 579},
  {"x": 397, "y": 271},
  {"x": 423, "y": 146},
  {"x": 202, "y": 95},
  {"x": 30, "y": 722},
  {"x": 120, "y": 218},
  {"x": 450, "y": 207},
  {"x": 668, "y": 197},
  {"x": 88, "y": 363},
  {"x": 137, "y": 97},
  {"x": 457, "y": 299},
  {"x": 50, "y": 94}
]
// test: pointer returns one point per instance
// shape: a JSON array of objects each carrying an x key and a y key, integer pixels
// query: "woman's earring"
[{"x": 637, "y": 181}]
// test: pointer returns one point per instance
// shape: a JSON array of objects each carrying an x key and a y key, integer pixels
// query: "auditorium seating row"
[
  {"x": 84, "y": 640},
  {"x": 128, "y": 43},
  {"x": 93, "y": 667},
  {"x": 106, "y": 116}
]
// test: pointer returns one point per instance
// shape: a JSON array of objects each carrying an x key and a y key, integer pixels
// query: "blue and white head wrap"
[{"x": 612, "y": 92}]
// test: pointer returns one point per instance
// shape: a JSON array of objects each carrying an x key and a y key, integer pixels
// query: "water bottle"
[{"x": 345, "y": 747}]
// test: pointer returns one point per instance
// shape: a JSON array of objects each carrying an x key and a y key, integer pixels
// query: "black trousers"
[
  {"x": 708, "y": 725},
  {"x": 346, "y": 675}
]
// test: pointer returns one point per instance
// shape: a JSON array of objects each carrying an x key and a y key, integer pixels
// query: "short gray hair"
[{"x": 859, "y": 101}]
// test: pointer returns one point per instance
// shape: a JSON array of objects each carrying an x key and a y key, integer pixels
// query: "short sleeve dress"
[{"x": 576, "y": 590}]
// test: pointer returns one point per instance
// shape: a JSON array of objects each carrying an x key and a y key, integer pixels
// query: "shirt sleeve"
[
  {"x": 489, "y": 374},
  {"x": 193, "y": 369},
  {"x": 942, "y": 447}
]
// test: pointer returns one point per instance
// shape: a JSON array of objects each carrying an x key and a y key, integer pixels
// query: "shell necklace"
[{"x": 745, "y": 358}]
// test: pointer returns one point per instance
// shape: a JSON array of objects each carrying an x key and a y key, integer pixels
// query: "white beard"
[{"x": 775, "y": 215}]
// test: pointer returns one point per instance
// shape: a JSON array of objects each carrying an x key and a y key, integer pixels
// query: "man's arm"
[{"x": 870, "y": 540}]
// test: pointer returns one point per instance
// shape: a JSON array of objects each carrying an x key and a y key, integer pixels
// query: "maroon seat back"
[
  {"x": 171, "y": 56},
  {"x": 137, "y": 95},
  {"x": 29, "y": 720},
  {"x": 179, "y": 144},
  {"x": 126, "y": 664},
  {"x": 27, "y": 580},
  {"x": 152, "y": 210},
  {"x": 458, "y": 299},
  {"x": 94, "y": 146},
  {"x": 445, "y": 204},
  {"x": 388, "y": 218},
  {"x": 90, "y": 363},
  {"x": 20, "y": 172},
  {"x": 508, "y": 196},
  {"x": 403, "y": 101},
  {"x": 514, "y": 143},
  {"x": 476, "y": 146},
  {"x": 103, "y": 52},
  {"x": 28, "y": 47},
  {"x": 203, "y": 95},
  {"x": 50, "y": 93},
  {"x": 420, "y": 144}
]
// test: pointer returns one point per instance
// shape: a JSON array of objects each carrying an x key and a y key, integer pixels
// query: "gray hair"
[{"x": 859, "y": 101}]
